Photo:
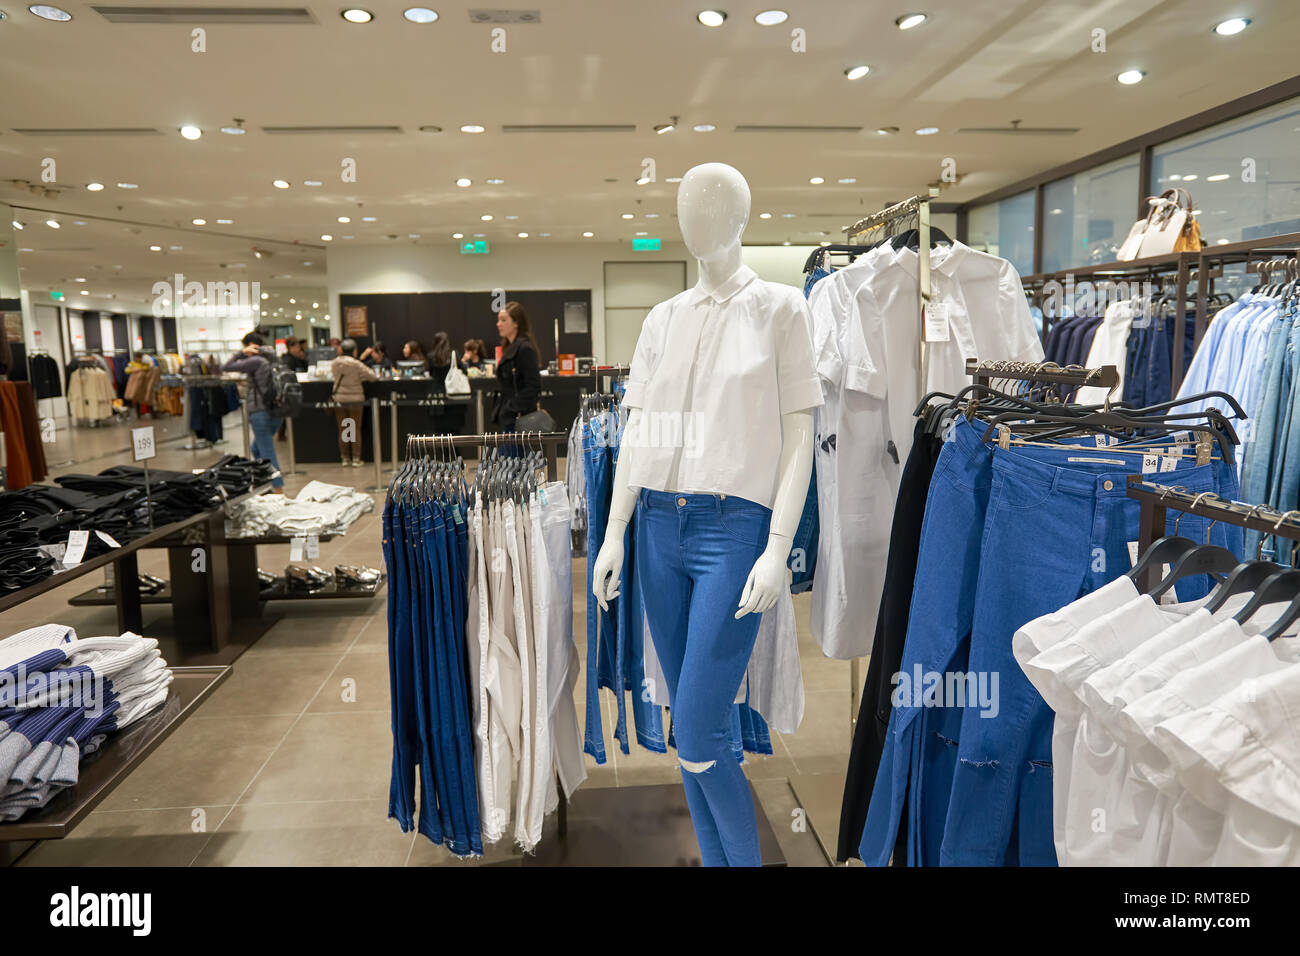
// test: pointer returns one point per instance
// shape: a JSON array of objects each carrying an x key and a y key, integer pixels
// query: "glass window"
[
  {"x": 1241, "y": 174},
  {"x": 1006, "y": 229},
  {"x": 1086, "y": 216}
]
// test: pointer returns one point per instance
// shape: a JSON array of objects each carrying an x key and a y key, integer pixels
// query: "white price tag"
[
  {"x": 936, "y": 322},
  {"x": 1169, "y": 463},
  {"x": 108, "y": 539},
  {"x": 313, "y": 547},
  {"x": 76, "y": 549},
  {"x": 296, "y": 548},
  {"x": 1150, "y": 463},
  {"x": 142, "y": 445}
]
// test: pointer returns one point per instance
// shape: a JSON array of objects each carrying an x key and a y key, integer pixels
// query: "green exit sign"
[
  {"x": 476, "y": 247},
  {"x": 645, "y": 245},
  {"x": 56, "y": 296}
]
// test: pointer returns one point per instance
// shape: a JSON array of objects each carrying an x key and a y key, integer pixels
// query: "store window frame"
[{"x": 1143, "y": 145}]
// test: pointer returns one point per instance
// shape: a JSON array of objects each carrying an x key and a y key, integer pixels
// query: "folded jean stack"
[
  {"x": 319, "y": 508},
  {"x": 60, "y": 698},
  {"x": 113, "y": 502}
]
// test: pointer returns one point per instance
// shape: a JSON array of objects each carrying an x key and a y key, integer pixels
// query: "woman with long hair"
[{"x": 519, "y": 375}]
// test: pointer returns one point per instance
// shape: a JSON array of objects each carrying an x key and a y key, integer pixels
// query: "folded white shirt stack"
[{"x": 319, "y": 508}]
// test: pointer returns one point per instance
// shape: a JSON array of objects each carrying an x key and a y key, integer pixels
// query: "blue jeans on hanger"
[
  {"x": 695, "y": 552},
  {"x": 600, "y": 623}
]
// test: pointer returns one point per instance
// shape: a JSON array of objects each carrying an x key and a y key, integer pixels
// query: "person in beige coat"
[{"x": 350, "y": 376}]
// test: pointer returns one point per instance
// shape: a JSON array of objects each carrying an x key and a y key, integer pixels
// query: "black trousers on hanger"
[{"x": 887, "y": 648}]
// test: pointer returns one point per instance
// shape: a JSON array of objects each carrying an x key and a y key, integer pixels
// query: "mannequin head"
[{"x": 712, "y": 209}]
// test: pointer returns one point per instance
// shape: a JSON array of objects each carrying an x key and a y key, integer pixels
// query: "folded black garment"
[{"x": 23, "y": 567}]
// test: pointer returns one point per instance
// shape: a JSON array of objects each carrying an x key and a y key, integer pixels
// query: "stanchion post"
[
  {"x": 375, "y": 445},
  {"x": 248, "y": 439},
  {"x": 288, "y": 435},
  {"x": 392, "y": 431}
]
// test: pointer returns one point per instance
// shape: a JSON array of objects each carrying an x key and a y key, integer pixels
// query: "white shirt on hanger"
[
  {"x": 1109, "y": 347},
  {"x": 713, "y": 373}
]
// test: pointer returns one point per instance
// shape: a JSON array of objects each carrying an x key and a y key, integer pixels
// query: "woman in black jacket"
[{"x": 519, "y": 375}]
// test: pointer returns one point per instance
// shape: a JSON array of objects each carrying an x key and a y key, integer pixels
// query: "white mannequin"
[{"x": 712, "y": 210}]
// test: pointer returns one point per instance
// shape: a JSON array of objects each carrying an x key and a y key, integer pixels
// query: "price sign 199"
[{"x": 142, "y": 443}]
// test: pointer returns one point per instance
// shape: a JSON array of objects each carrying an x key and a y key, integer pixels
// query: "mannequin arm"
[
  {"x": 767, "y": 577},
  {"x": 623, "y": 502}
]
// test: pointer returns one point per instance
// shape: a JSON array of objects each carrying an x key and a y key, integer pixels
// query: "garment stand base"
[
  {"x": 635, "y": 826},
  {"x": 820, "y": 796}
]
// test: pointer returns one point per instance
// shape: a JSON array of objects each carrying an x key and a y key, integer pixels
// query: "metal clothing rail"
[
  {"x": 1106, "y": 376},
  {"x": 1158, "y": 500}
]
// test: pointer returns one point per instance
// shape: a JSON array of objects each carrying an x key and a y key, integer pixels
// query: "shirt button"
[
  {"x": 681, "y": 502},
  {"x": 1108, "y": 484}
]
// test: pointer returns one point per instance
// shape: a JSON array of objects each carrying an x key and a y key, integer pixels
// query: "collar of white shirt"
[
  {"x": 948, "y": 265},
  {"x": 744, "y": 275}
]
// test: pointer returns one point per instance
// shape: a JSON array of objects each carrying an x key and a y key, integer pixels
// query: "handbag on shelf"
[
  {"x": 1169, "y": 227},
  {"x": 457, "y": 382}
]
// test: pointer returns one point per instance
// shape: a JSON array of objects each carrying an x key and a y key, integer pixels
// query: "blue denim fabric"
[
  {"x": 754, "y": 735},
  {"x": 1257, "y": 466},
  {"x": 601, "y": 641},
  {"x": 456, "y": 543},
  {"x": 803, "y": 549},
  {"x": 1280, "y": 438},
  {"x": 434, "y": 768},
  {"x": 1051, "y": 533},
  {"x": 264, "y": 425},
  {"x": 813, "y": 278},
  {"x": 695, "y": 553},
  {"x": 990, "y": 577},
  {"x": 1288, "y": 436}
]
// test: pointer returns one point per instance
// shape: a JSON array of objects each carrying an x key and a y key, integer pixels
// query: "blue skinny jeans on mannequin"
[{"x": 695, "y": 553}]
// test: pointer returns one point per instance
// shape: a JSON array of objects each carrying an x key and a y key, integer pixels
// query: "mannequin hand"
[
  {"x": 766, "y": 579},
  {"x": 605, "y": 573}
]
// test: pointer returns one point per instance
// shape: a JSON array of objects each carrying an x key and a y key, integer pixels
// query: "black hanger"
[
  {"x": 1247, "y": 576},
  {"x": 1202, "y": 559},
  {"x": 1283, "y": 585},
  {"x": 1165, "y": 550}
]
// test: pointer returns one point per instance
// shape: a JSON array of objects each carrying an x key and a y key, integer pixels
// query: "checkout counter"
[{"x": 421, "y": 409}]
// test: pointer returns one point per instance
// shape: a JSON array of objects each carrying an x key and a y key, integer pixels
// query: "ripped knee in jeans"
[{"x": 696, "y": 766}]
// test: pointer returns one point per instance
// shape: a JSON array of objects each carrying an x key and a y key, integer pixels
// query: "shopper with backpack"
[{"x": 264, "y": 411}]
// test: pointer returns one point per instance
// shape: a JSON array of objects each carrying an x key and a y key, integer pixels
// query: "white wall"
[
  {"x": 531, "y": 265},
  {"x": 778, "y": 263}
]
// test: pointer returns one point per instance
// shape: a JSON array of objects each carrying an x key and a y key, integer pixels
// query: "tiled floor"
[{"x": 288, "y": 762}]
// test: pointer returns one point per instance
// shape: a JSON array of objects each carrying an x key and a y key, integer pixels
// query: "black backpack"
[{"x": 283, "y": 397}]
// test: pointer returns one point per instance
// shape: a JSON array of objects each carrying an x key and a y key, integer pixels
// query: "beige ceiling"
[{"x": 974, "y": 63}]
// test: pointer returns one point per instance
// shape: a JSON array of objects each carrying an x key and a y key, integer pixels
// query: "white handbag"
[
  {"x": 1165, "y": 223},
  {"x": 457, "y": 381},
  {"x": 1128, "y": 250}
]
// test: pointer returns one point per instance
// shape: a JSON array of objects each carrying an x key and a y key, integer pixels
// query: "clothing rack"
[
  {"x": 549, "y": 442},
  {"x": 1049, "y": 373},
  {"x": 1158, "y": 500}
]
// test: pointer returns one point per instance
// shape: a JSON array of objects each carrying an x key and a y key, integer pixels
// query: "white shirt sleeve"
[
  {"x": 645, "y": 359},
  {"x": 1022, "y": 332},
  {"x": 796, "y": 373}
]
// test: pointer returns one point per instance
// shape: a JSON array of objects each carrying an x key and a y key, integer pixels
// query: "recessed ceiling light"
[
  {"x": 1175, "y": 177},
  {"x": 412, "y": 235},
  {"x": 308, "y": 182},
  {"x": 463, "y": 182},
  {"x": 1231, "y": 27},
  {"x": 887, "y": 131},
  {"x": 770, "y": 18},
  {"x": 1130, "y": 77},
  {"x": 458, "y": 235},
  {"x": 326, "y": 237},
  {"x": 673, "y": 179},
  {"x": 94, "y": 187},
  {"x": 472, "y": 128},
  {"x": 293, "y": 301},
  {"x": 17, "y": 224},
  {"x": 847, "y": 180},
  {"x": 523, "y": 235},
  {"x": 857, "y": 72},
  {"x": 927, "y": 131},
  {"x": 788, "y": 215},
  {"x": 280, "y": 184},
  {"x": 628, "y": 215},
  {"x": 52, "y": 223},
  {"x": 909, "y": 20},
  {"x": 79, "y": 279},
  {"x": 495, "y": 182},
  {"x": 199, "y": 222},
  {"x": 315, "y": 305},
  {"x": 704, "y": 128},
  {"x": 225, "y": 222},
  {"x": 420, "y": 14},
  {"x": 266, "y": 295},
  {"x": 816, "y": 180},
  {"x": 47, "y": 12},
  {"x": 652, "y": 215},
  {"x": 512, "y": 217},
  {"x": 1216, "y": 178},
  {"x": 665, "y": 128},
  {"x": 644, "y": 180},
  {"x": 711, "y": 18},
  {"x": 344, "y": 219},
  {"x": 356, "y": 15},
  {"x": 127, "y": 186},
  {"x": 175, "y": 248},
  {"x": 1188, "y": 178},
  {"x": 643, "y": 233},
  {"x": 587, "y": 235},
  {"x": 367, "y": 218},
  {"x": 191, "y": 132},
  {"x": 486, "y": 217},
  {"x": 764, "y": 215},
  {"x": 480, "y": 235},
  {"x": 233, "y": 130}
]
